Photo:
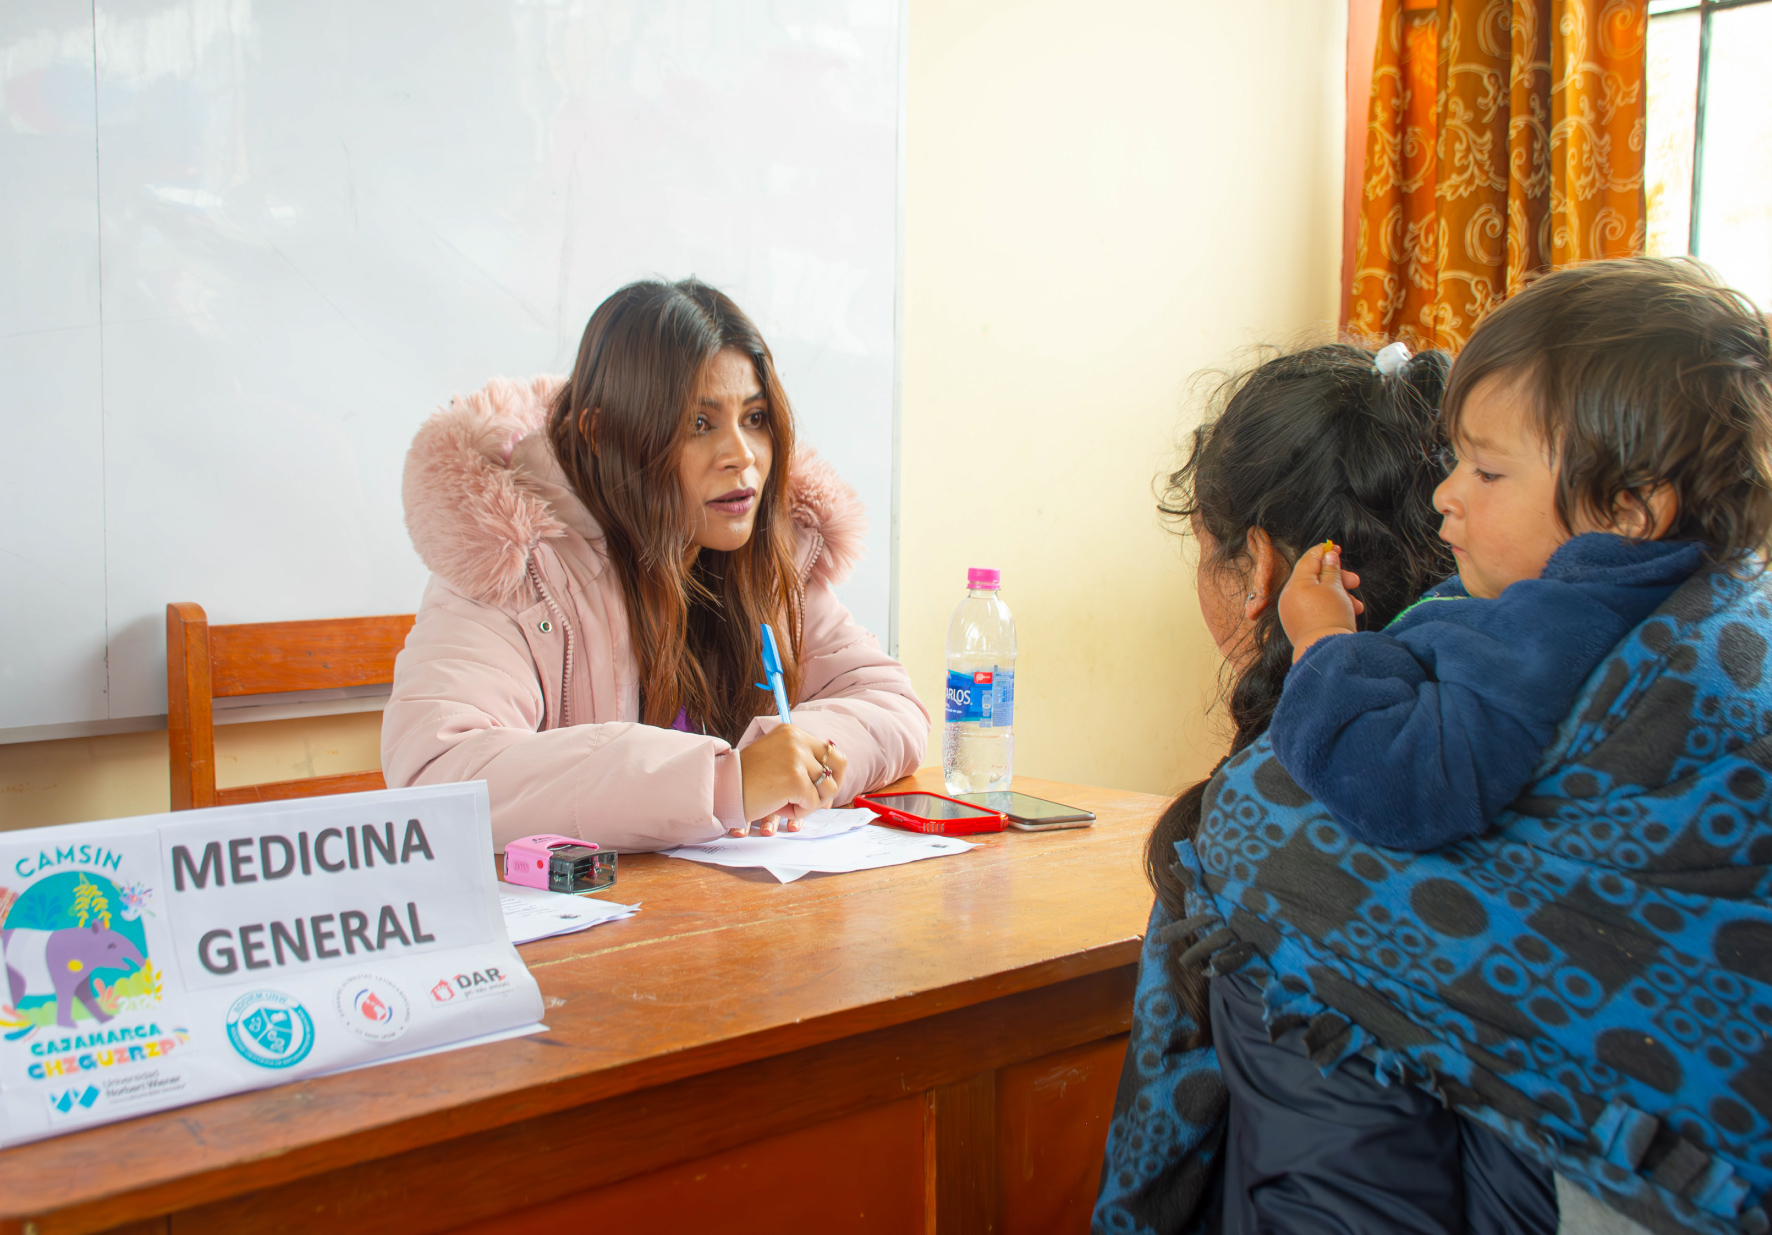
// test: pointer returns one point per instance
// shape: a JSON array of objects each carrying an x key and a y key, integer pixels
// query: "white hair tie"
[{"x": 1391, "y": 358}]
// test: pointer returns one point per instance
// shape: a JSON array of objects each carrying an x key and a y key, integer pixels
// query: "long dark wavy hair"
[
  {"x": 1308, "y": 446},
  {"x": 619, "y": 428}
]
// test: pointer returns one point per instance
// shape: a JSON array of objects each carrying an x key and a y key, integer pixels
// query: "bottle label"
[{"x": 984, "y": 697}]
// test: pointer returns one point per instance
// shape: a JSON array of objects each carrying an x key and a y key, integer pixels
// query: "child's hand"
[{"x": 1314, "y": 604}]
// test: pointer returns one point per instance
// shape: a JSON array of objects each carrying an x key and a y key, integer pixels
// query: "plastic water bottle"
[{"x": 978, "y": 740}]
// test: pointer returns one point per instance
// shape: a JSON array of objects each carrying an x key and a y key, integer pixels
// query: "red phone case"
[{"x": 986, "y": 821}]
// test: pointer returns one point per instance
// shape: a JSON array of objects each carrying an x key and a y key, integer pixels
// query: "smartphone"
[
  {"x": 1030, "y": 814},
  {"x": 932, "y": 813}
]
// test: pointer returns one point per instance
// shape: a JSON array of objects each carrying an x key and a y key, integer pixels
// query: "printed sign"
[{"x": 151, "y": 962}]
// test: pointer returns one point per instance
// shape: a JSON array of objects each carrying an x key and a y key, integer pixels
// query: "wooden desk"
[{"x": 932, "y": 1047}]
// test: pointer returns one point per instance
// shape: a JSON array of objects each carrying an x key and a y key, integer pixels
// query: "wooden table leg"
[{"x": 961, "y": 1160}]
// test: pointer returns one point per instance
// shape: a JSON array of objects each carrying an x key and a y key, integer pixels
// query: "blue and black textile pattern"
[
  {"x": 1164, "y": 1143},
  {"x": 1591, "y": 978}
]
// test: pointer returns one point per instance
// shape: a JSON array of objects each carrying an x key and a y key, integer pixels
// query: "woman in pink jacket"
[{"x": 603, "y": 551}]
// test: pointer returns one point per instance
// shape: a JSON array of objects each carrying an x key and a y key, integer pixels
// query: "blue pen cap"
[{"x": 771, "y": 653}]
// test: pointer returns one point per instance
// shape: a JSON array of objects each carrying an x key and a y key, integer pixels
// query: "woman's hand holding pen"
[
  {"x": 788, "y": 773},
  {"x": 1314, "y": 604}
]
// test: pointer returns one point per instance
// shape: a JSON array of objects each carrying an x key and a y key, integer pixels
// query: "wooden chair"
[{"x": 205, "y": 663}]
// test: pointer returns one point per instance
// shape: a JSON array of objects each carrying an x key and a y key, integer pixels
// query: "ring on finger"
[{"x": 823, "y": 773}]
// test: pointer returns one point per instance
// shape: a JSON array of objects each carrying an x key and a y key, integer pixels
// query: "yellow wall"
[{"x": 1100, "y": 200}]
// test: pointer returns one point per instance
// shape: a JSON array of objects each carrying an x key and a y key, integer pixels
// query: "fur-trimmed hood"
[{"x": 475, "y": 517}]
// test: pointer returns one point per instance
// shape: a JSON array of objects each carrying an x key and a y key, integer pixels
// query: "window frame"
[{"x": 1705, "y": 9}]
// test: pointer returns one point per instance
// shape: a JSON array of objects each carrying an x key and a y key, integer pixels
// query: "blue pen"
[{"x": 772, "y": 671}]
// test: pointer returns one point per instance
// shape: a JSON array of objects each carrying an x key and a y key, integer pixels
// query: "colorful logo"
[
  {"x": 102, "y": 1048},
  {"x": 270, "y": 1029},
  {"x": 373, "y": 1008},
  {"x": 72, "y": 950}
]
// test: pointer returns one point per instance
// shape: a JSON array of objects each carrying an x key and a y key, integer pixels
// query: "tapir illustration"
[{"x": 62, "y": 963}]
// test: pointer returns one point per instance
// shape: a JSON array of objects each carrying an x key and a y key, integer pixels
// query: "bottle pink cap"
[{"x": 979, "y": 577}]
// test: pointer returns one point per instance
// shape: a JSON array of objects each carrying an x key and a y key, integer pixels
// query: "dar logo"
[{"x": 471, "y": 985}]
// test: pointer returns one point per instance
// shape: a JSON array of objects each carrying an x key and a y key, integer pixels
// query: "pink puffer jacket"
[{"x": 521, "y": 669}]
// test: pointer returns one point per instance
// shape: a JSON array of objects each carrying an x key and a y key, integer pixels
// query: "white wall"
[{"x": 246, "y": 247}]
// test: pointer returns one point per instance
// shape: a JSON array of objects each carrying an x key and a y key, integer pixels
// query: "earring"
[{"x": 1252, "y": 596}]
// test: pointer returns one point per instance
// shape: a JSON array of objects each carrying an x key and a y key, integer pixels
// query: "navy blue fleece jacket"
[{"x": 1418, "y": 735}]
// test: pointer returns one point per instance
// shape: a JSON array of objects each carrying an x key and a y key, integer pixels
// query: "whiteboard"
[{"x": 247, "y": 247}]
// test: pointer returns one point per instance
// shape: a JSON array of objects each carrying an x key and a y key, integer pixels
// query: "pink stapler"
[{"x": 559, "y": 864}]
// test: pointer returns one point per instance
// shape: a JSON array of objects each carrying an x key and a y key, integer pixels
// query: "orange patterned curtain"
[{"x": 1504, "y": 137}]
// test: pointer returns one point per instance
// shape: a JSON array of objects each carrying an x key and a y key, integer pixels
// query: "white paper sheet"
[
  {"x": 831, "y": 822},
  {"x": 536, "y": 913},
  {"x": 787, "y": 857}
]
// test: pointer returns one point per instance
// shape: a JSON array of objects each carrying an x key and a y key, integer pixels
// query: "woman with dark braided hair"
[
  {"x": 1485, "y": 948},
  {"x": 1319, "y": 443},
  {"x": 1308, "y": 445}
]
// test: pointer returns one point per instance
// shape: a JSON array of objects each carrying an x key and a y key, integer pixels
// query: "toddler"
[{"x": 1610, "y": 428}]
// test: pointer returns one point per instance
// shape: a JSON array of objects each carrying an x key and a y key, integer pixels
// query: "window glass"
[
  {"x": 1735, "y": 188},
  {"x": 1672, "y": 71}
]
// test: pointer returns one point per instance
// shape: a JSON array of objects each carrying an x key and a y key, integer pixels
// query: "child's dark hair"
[
  {"x": 1643, "y": 373},
  {"x": 1313, "y": 445}
]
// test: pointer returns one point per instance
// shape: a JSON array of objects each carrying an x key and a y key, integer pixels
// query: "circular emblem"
[
  {"x": 270, "y": 1029},
  {"x": 373, "y": 1008}
]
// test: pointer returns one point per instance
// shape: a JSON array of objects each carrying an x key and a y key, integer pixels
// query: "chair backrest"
[{"x": 205, "y": 663}]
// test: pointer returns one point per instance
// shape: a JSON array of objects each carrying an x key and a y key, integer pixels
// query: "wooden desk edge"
[
  {"x": 152, "y": 1194},
  {"x": 155, "y": 1197}
]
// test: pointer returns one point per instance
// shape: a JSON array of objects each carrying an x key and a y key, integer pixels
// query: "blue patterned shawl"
[{"x": 1591, "y": 978}]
